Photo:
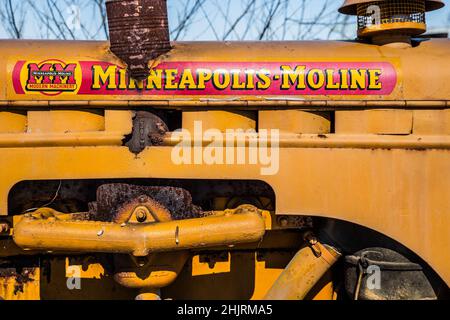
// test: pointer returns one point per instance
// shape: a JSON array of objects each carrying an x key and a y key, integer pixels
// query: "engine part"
[
  {"x": 158, "y": 271},
  {"x": 150, "y": 295},
  {"x": 142, "y": 210},
  {"x": 307, "y": 267},
  {"x": 383, "y": 274},
  {"x": 392, "y": 21},
  {"x": 113, "y": 199},
  {"x": 139, "y": 32},
  {"x": 148, "y": 130},
  {"x": 243, "y": 225}
]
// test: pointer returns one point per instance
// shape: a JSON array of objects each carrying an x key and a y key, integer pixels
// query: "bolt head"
[{"x": 141, "y": 215}]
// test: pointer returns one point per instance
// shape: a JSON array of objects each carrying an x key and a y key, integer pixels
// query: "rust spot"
[
  {"x": 158, "y": 212},
  {"x": 113, "y": 198},
  {"x": 21, "y": 277}
]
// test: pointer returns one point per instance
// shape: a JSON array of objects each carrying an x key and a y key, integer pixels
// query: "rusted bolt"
[
  {"x": 142, "y": 199},
  {"x": 313, "y": 243},
  {"x": 4, "y": 228},
  {"x": 310, "y": 238},
  {"x": 141, "y": 215},
  {"x": 283, "y": 221},
  {"x": 140, "y": 261}
]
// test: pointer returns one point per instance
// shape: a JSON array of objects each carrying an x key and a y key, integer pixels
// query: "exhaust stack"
[
  {"x": 139, "y": 32},
  {"x": 390, "y": 21}
]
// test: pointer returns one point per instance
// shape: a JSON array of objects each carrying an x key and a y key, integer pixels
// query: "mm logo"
[{"x": 52, "y": 76}]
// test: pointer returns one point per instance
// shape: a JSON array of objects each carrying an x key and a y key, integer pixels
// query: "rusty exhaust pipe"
[
  {"x": 138, "y": 32},
  {"x": 243, "y": 225}
]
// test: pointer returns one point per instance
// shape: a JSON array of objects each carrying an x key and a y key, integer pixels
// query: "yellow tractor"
[{"x": 141, "y": 168}]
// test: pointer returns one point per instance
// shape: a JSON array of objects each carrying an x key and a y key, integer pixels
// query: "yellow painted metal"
[
  {"x": 202, "y": 268},
  {"x": 435, "y": 122},
  {"x": 219, "y": 120},
  {"x": 325, "y": 289},
  {"x": 392, "y": 184},
  {"x": 303, "y": 273},
  {"x": 65, "y": 121},
  {"x": 413, "y": 83},
  {"x": 374, "y": 121},
  {"x": 118, "y": 121},
  {"x": 65, "y": 128},
  {"x": 312, "y": 105},
  {"x": 295, "y": 121},
  {"x": 85, "y": 270},
  {"x": 161, "y": 270},
  {"x": 362, "y": 141},
  {"x": 150, "y": 295},
  {"x": 61, "y": 139},
  {"x": 243, "y": 225},
  {"x": 405, "y": 27},
  {"x": 238, "y": 275},
  {"x": 348, "y": 124},
  {"x": 266, "y": 272},
  {"x": 419, "y": 122},
  {"x": 13, "y": 122}
]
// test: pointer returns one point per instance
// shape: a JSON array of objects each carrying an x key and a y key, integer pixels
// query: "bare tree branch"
[
  {"x": 189, "y": 19},
  {"x": 12, "y": 15}
]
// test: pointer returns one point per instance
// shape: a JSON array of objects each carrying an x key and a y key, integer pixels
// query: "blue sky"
[{"x": 212, "y": 21}]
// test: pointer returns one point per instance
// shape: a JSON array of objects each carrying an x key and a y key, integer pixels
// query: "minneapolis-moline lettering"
[{"x": 288, "y": 77}]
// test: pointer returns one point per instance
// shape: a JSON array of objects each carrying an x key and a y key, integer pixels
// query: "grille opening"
[
  {"x": 406, "y": 17},
  {"x": 396, "y": 11}
]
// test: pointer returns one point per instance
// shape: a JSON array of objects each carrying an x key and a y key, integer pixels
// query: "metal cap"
[{"x": 349, "y": 6}]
